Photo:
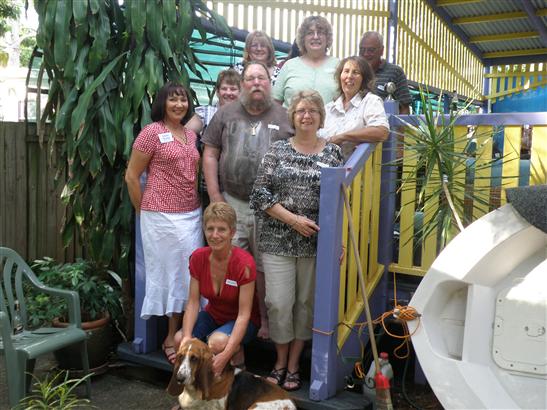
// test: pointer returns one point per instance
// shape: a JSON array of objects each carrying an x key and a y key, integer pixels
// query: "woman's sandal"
[
  {"x": 292, "y": 378},
  {"x": 278, "y": 375},
  {"x": 170, "y": 353}
]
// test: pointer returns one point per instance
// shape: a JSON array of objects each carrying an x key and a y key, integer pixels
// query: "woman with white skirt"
[{"x": 169, "y": 207}]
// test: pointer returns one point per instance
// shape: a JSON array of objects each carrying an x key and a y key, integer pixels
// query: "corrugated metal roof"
[
  {"x": 480, "y": 8},
  {"x": 500, "y": 19},
  {"x": 498, "y": 27}
]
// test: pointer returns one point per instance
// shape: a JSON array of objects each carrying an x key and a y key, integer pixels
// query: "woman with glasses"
[
  {"x": 314, "y": 69},
  {"x": 357, "y": 115},
  {"x": 259, "y": 47},
  {"x": 286, "y": 196}
]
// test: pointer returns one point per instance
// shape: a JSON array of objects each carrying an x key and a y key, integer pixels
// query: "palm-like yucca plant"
[
  {"x": 55, "y": 393},
  {"x": 105, "y": 61},
  {"x": 441, "y": 160}
]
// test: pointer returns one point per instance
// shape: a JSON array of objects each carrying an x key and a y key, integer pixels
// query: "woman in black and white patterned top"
[{"x": 286, "y": 195}]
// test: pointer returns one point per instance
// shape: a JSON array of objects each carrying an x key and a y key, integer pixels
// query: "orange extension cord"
[{"x": 402, "y": 313}]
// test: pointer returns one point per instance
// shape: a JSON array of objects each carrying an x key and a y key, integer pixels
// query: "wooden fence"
[
  {"x": 511, "y": 79},
  {"x": 31, "y": 210}
]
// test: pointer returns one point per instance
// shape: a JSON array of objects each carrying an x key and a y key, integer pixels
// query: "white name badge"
[
  {"x": 273, "y": 127},
  {"x": 231, "y": 282},
  {"x": 165, "y": 137}
]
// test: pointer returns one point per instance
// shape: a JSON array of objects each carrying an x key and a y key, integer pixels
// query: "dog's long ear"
[
  {"x": 204, "y": 375},
  {"x": 175, "y": 388}
]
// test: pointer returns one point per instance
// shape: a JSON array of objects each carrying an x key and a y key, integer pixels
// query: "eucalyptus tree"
[{"x": 105, "y": 61}]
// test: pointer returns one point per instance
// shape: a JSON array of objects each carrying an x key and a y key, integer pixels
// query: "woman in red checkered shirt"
[{"x": 169, "y": 207}]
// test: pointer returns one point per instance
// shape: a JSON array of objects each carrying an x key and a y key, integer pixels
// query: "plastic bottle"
[
  {"x": 17, "y": 321},
  {"x": 383, "y": 394},
  {"x": 369, "y": 387}
]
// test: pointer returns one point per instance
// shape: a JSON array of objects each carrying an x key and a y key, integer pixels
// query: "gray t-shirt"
[{"x": 231, "y": 130}]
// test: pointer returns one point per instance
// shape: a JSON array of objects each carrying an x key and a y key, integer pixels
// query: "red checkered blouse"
[{"x": 171, "y": 185}]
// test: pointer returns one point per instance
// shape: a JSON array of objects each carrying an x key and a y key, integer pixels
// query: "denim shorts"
[{"x": 205, "y": 325}]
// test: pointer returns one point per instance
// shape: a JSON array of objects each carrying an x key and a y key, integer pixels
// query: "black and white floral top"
[{"x": 291, "y": 179}]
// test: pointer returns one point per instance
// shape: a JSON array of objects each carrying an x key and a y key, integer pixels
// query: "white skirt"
[{"x": 168, "y": 240}]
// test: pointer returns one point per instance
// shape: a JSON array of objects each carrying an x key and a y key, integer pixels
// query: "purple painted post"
[
  {"x": 392, "y": 31},
  {"x": 146, "y": 331},
  {"x": 387, "y": 189},
  {"x": 327, "y": 283},
  {"x": 387, "y": 209}
]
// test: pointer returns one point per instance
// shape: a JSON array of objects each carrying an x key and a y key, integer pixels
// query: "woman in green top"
[{"x": 314, "y": 69}]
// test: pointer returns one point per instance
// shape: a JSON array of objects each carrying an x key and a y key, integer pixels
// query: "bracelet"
[{"x": 295, "y": 221}]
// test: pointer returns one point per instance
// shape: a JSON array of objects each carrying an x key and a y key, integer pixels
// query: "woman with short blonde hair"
[
  {"x": 225, "y": 275},
  {"x": 286, "y": 196}
]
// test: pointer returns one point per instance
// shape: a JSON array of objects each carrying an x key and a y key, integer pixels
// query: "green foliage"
[
  {"x": 49, "y": 394},
  {"x": 440, "y": 171},
  {"x": 27, "y": 45},
  {"x": 93, "y": 283},
  {"x": 105, "y": 63},
  {"x": 9, "y": 10}
]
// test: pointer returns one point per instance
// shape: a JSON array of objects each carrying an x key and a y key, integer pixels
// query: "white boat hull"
[{"x": 481, "y": 341}]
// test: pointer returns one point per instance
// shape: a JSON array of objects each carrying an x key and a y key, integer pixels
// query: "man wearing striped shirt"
[{"x": 371, "y": 48}]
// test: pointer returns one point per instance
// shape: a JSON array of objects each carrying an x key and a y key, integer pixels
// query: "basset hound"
[{"x": 197, "y": 387}]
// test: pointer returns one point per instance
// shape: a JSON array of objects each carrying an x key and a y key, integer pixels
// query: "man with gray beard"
[{"x": 235, "y": 141}]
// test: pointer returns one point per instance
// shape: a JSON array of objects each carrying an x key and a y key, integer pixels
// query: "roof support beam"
[
  {"x": 496, "y": 17},
  {"x": 538, "y": 58},
  {"x": 444, "y": 3},
  {"x": 536, "y": 21},
  {"x": 505, "y": 36},
  {"x": 508, "y": 53}
]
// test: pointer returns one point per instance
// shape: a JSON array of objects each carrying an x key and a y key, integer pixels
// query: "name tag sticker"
[
  {"x": 165, "y": 137},
  {"x": 322, "y": 164},
  {"x": 231, "y": 282},
  {"x": 273, "y": 127}
]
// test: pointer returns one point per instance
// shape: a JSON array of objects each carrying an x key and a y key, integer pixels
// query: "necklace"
[
  {"x": 306, "y": 149},
  {"x": 254, "y": 127},
  {"x": 178, "y": 133}
]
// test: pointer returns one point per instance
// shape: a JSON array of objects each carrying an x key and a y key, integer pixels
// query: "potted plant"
[{"x": 99, "y": 291}]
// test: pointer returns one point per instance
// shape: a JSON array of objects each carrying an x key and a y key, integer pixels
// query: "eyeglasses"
[
  {"x": 251, "y": 79},
  {"x": 368, "y": 49},
  {"x": 301, "y": 112},
  {"x": 255, "y": 46},
  {"x": 318, "y": 33}
]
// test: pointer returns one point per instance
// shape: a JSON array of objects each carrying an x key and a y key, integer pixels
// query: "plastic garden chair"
[{"x": 22, "y": 349}]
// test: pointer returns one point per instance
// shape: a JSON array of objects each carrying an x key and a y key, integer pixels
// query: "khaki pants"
[
  {"x": 247, "y": 229},
  {"x": 290, "y": 287}
]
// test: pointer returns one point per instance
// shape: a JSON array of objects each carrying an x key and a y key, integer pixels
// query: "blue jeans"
[{"x": 205, "y": 325}]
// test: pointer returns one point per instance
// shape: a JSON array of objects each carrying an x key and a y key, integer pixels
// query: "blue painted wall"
[{"x": 529, "y": 101}]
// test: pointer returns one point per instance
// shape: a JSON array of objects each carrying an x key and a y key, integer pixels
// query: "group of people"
[{"x": 260, "y": 156}]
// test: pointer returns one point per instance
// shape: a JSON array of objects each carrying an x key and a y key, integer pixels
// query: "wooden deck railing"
[
  {"x": 338, "y": 300},
  {"x": 371, "y": 187},
  {"x": 489, "y": 182}
]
